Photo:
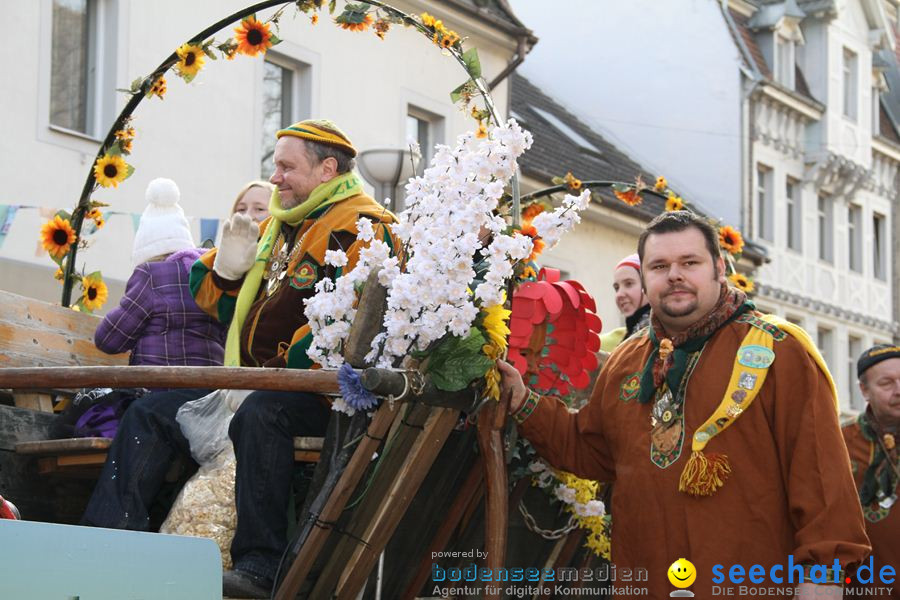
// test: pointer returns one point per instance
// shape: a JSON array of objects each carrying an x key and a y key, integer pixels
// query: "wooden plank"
[
  {"x": 239, "y": 378},
  {"x": 401, "y": 437},
  {"x": 23, "y": 425},
  {"x": 331, "y": 512},
  {"x": 309, "y": 456},
  {"x": 80, "y": 460},
  {"x": 34, "y": 401},
  {"x": 49, "y": 348},
  {"x": 308, "y": 443},
  {"x": 491, "y": 420},
  {"x": 65, "y": 446},
  {"x": 417, "y": 464}
]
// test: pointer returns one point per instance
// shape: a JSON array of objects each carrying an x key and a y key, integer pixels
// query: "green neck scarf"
[
  {"x": 669, "y": 369},
  {"x": 340, "y": 188},
  {"x": 880, "y": 479}
]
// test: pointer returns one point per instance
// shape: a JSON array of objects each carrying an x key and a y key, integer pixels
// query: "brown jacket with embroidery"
[
  {"x": 882, "y": 524},
  {"x": 790, "y": 491},
  {"x": 275, "y": 332}
]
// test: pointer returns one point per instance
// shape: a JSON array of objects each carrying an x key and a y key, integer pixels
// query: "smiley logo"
[{"x": 682, "y": 573}]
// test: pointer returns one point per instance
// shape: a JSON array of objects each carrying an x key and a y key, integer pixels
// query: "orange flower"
[
  {"x": 631, "y": 197},
  {"x": 573, "y": 183},
  {"x": 57, "y": 236},
  {"x": 532, "y": 210},
  {"x": 314, "y": 19},
  {"x": 538, "y": 244},
  {"x": 361, "y": 26},
  {"x": 730, "y": 239},
  {"x": 481, "y": 132},
  {"x": 253, "y": 37}
]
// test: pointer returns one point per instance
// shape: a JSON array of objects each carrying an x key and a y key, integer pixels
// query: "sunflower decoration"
[
  {"x": 742, "y": 282},
  {"x": 57, "y": 236},
  {"x": 158, "y": 88},
  {"x": 125, "y": 137},
  {"x": 254, "y": 37},
  {"x": 97, "y": 216},
  {"x": 355, "y": 17},
  {"x": 482, "y": 131},
  {"x": 661, "y": 184},
  {"x": 111, "y": 170},
  {"x": 94, "y": 292},
  {"x": 533, "y": 210},
  {"x": 190, "y": 60},
  {"x": 537, "y": 244},
  {"x": 674, "y": 202},
  {"x": 731, "y": 240},
  {"x": 59, "y": 275},
  {"x": 381, "y": 28},
  {"x": 627, "y": 194},
  {"x": 571, "y": 181}
]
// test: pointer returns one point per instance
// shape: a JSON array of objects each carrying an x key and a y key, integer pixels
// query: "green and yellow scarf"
[{"x": 340, "y": 188}]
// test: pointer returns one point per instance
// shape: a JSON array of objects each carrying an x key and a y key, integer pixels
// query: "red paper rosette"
[{"x": 565, "y": 313}]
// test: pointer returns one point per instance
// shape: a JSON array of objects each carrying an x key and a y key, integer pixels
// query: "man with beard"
[
  {"x": 774, "y": 489},
  {"x": 874, "y": 457}
]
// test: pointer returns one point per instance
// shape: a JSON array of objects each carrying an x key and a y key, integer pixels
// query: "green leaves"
[
  {"x": 456, "y": 362},
  {"x": 463, "y": 93},
  {"x": 473, "y": 64}
]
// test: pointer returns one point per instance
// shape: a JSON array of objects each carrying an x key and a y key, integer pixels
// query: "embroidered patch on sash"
[
  {"x": 755, "y": 321},
  {"x": 667, "y": 440},
  {"x": 755, "y": 357},
  {"x": 305, "y": 275},
  {"x": 630, "y": 387},
  {"x": 875, "y": 512},
  {"x": 747, "y": 381}
]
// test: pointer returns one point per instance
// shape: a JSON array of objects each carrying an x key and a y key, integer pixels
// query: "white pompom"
[{"x": 162, "y": 192}]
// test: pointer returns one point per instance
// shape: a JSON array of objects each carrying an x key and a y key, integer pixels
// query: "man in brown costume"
[
  {"x": 775, "y": 489},
  {"x": 875, "y": 459}
]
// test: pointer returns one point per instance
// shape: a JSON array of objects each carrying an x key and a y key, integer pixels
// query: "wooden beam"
[
  {"x": 496, "y": 505},
  {"x": 404, "y": 487}
]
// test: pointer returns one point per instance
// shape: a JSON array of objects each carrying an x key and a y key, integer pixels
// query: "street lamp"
[{"x": 385, "y": 168}]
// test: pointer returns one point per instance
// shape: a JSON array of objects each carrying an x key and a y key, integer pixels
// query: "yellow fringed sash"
[{"x": 704, "y": 474}]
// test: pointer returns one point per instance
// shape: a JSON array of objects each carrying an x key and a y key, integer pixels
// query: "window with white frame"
[
  {"x": 285, "y": 101},
  {"x": 794, "y": 215},
  {"x": 764, "y": 208},
  {"x": 879, "y": 247},
  {"x": 826, "y": 228},
  {"x": 784, "y": 61},
  {"x": 75, "y": 66},
  {"x": 854, "y": 237},
  {"x": 425, "y": 129},
  {"x": 854, "y": 349},
  {"x": 850, "y": 84}
]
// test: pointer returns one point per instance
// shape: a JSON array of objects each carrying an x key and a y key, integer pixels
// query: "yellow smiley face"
[{"x": 682, "y": 573}]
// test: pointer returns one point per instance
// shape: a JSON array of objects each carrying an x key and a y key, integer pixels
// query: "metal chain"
[{"x": 547, "y": 534}]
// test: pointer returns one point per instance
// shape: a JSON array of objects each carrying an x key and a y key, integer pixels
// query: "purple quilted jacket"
[{"x": 159, "y": 321}]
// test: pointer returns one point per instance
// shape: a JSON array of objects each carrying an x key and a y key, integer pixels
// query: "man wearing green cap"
[
  {"x": 257, "y": 281},
  {"x": 875, "y": 459}
]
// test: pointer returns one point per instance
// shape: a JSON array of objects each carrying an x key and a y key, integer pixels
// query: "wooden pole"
[{"x": 496, "y": 505}]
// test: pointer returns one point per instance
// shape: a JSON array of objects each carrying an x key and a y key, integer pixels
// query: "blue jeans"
[{"x": 262, "y": 430}]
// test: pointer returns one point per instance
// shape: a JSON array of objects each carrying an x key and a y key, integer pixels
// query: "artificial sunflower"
[
  {"x": 57, "y": 236},
  {"x": 660, "y": 184},
  {"x": 481, "y": 132},
  {"x": 110, "y": 170},
  {"x": 126, "y": 146},
  {"x": 449, "y": 39},
  {"x": 631, "y": 196},
  {"x": 360, "y": 25},
  {"x": 158, "y": 88},
  {"x": 253, "y": 37},
  {"x": 125, "y": 134},
  {"x": 59, "y": 275},
  {"x": 190, "y": 60},
  {"x": 494, "y": 325},
  {"x": 741, "y": 282},
  {"x": 381, "y": 28},
  {"x": 674, "y": 203},
  {"x": 730, "y": 239},
  {"x": 95, "y": 292},
  {"x": 427, "y": 20},
  {"x": 573, "y": 183},
  {"x": 314, "y": 19},
  {"x": 528, "y": 274}
]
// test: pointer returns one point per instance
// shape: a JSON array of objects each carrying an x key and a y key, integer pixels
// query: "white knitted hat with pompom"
[{"x": 163, "y": 228}]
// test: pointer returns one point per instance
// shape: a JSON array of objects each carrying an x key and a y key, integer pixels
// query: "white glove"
[{"x": 237, "y": 251}]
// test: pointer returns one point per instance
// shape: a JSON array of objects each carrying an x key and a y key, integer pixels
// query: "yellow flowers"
[
  {"x": 253, "y": 37},
  {"x": 443, "y": 37},
  {"x": 96, "y": 216},
  {"x": 361, "y": 25},
  {"x": 190, "y": 60},
  {"x": 661, "y": 184},
  {"x": 573, "y": 183},
  {"x": 674, "y": 203},
  {"x": 742, "y": 282},
  {"x": 158, "y": 88},
  {"x": 94, "y": 292},
  {"x": 125, "y": 138},
  {"x": 57, "y": 236},
  {"x": 111, "y": 170},
  {"x": 481, "y": 132},
  {"x": 494, "y": 326},
  {"x": 730, "y": 239}
]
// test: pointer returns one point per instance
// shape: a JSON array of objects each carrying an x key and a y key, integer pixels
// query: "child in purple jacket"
[{"x": 157, "y": 319}]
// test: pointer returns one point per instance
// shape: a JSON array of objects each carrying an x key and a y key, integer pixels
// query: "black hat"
[{"x": 875, "y": 355}]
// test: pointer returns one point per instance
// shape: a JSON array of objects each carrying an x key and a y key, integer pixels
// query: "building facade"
[{"x": 213, "y": 135}]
